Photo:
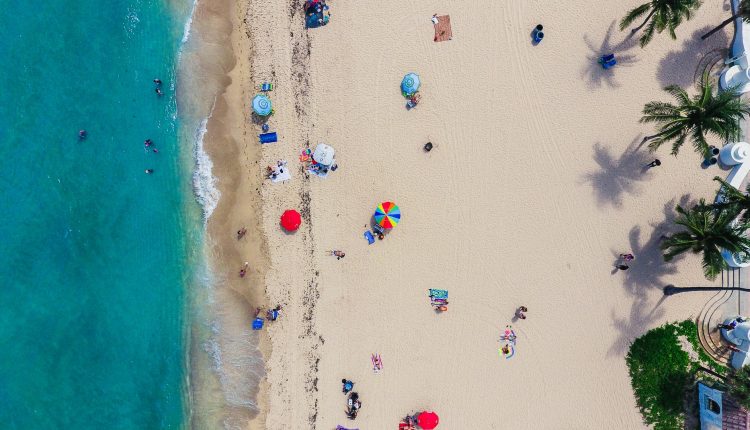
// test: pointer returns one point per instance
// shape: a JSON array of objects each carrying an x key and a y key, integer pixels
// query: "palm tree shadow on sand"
[
  {"x": 686, "y": 66},
  {"x": 646, "y": 278},
  {"x": 593, "y": 72},
  {"x": 618, "y": 175}
]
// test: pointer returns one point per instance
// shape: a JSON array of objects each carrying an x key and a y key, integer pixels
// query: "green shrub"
[{"x": 662, "y": 372}]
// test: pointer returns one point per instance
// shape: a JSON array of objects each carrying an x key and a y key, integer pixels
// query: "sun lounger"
[
  {"x": 370, "y": 238},
  {"x": 265, "y": 86},
  {"x": 268, "y": 137}
]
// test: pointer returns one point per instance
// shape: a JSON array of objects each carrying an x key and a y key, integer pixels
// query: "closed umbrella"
[
  {"x": 291, "y": 220},
  {"x": 262, "y": 105},
  {"x": 387, "y": 214},
  {"x": 410, "y": 84},
  {"x": 428, "y": 420}
]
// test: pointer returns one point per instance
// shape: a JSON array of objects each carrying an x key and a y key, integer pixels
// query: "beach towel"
[
  {"x": 268, "y": 137},
  {"x": 443, "y": 30},
  {"x": 284, "y": 176},
  {"x": 377, "y": 363},
  {"x": 370, "y": 238},
  {"x": 438, "y": 294}
]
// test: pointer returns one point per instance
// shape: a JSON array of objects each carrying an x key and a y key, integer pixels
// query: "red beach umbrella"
[
  {"x": 428, "y": 420},
  {"x": 291, "y": 220}
]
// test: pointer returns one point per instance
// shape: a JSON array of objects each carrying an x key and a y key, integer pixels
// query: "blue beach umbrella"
[
  {"x": 410, "y": 84},
  {"x": 262, "y": 105}
]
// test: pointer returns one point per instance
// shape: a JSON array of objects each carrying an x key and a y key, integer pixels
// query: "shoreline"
[{"x": 226, "y": 359}]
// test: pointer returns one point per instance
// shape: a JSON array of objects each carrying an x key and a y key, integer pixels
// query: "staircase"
[{"x": 719, "y": 306}]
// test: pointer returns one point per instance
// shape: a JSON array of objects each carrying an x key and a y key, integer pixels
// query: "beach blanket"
[
  {"x": 438, "y": 294},
  {"x": 443, "y": 30},
  {"x": 284, "y": 176}
]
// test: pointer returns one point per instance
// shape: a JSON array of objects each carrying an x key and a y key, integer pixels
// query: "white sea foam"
[
  {"x": 188, "y": 24},
  {"x": 204, "y": 182}
]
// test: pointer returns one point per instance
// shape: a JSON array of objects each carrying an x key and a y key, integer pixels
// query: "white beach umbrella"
[{"x": 323, "y": 154}]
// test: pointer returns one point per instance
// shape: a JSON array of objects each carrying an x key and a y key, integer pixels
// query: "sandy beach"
[{"x": 534, "y": 187}]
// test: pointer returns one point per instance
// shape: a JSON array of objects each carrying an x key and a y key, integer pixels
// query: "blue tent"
[
  {"x": 262, "y": 105},
  {"x": 410, "y": 84}
]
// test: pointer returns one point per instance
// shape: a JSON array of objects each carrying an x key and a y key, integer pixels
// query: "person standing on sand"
[
  {"x": 654, "y": 163},
  {"x": 627, "y": 257},
  {"x": 243, "y": 271}
]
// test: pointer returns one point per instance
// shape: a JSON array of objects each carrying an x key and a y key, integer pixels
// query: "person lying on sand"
[{"x": 241, "y": 233}]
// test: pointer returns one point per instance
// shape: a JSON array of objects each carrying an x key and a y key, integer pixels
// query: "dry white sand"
[{"x": 534, "y": 187}]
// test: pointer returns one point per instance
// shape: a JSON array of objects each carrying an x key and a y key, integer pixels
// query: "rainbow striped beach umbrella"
[{"x": 387, "y": 215}]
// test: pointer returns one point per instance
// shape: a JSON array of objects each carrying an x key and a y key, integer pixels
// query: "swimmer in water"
[
  {"x": 158, "y": 92},
  {"x": 156, "y": 150},
  {"x": 157, "y": 81},
  {"x": 149, "y": 171},
  {"x": 82, "y": 134},
  {"x": 147, "y": 142}
]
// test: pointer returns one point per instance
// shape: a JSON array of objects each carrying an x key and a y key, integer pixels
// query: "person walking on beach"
[
  {"x": 521, "y": 312},
  {"x": 654, "y": 163},
  {"x": 243, "y": 271},
  {"x": 627, "y": 257},
  {"x": 241, "y": 233}
]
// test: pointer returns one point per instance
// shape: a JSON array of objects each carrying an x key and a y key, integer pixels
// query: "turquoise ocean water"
[{"x": 94, "y": 253}]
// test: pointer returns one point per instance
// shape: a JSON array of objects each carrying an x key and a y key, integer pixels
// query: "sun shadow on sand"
[
  {"x": 646, "y": 274},
  {"x": 685, "y": 66},
  {"x": 593, "y": 72},
  {"x": 618, "y": 175}
]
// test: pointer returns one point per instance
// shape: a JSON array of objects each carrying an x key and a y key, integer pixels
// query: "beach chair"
[
  {"x": 377, "y": 363},
  {"x": 268, "y": 137},
  {"x": 607, "y": 61},
  {"x": 265, "y": 87}
]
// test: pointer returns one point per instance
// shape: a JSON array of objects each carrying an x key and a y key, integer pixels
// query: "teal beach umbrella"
[
  {"x": 410, "y": 84},
  {"x": 262, "y": 105}
]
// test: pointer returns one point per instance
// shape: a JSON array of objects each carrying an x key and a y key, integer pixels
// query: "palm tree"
[
  {"x": 732, "y": 197},
  {"x": 708, "y": 231},
  {"x": 661, "y": 15},
  {"x": 738, "y": 383},
  {"x": 742, "y": 12},
  {"x": 695, "y": 118}
]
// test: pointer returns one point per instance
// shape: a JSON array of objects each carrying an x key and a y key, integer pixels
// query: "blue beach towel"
[
  {"x": 438, "y": 294},
  {"x": 369, "y": 237},
  {"x": 257, "y": 323},
  {"x": 268, "y": 137}
]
